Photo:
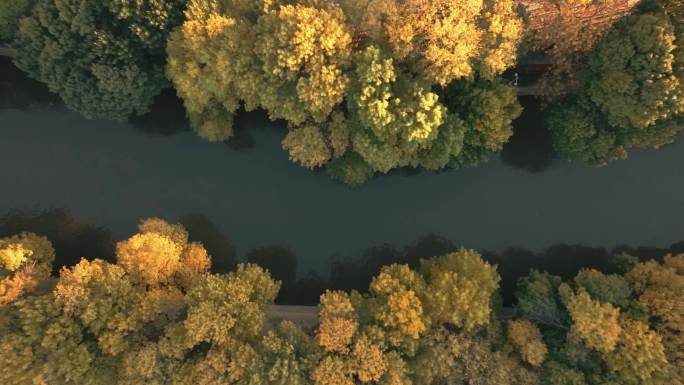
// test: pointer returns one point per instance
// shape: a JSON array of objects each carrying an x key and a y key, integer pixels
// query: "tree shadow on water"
[
  {"x": 18, "y": 91},
  {"x": 71, "y": 239},
  {"x": 166, "y": 116},
  {"x": 530, "y": 148},
  {"x": 219, "y": 246},
  {"x": 246, "y": 122}
]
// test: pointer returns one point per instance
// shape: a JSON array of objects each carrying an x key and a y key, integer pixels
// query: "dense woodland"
[
  {"x": 156, "y": 314},
  {"x": 367, "y": 86}
]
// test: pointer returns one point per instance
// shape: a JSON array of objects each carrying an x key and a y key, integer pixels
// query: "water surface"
[{"x": 114, "y": 174}]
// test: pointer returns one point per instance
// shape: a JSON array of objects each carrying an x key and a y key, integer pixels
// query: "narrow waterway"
[{"x": 113, "y": 174}]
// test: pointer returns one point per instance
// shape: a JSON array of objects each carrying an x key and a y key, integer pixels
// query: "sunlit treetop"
[
  {"x": 354, "y": 80},
  {"x": 460, "y": 286},
  {"x": 25, "y": 261},
  {"x": 442, "y": 40},
  {"x": 156, "y": 316}
]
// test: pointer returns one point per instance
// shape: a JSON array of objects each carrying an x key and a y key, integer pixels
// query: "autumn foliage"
[
  {"x": 158, "y": 315},
  {"x": 356, "y": 81}
]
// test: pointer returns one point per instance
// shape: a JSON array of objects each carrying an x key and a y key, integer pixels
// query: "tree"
[
  {"x": 594, "y": 323},
  {"x": 354, "y": 80},
  {"x": 207, "y": 86},
  {"x": 399, "y": 331},
  {"x": 10, "y": 13},
  {"x": 640, "y": 354},
  {"x": 303, "y": 52},
  {"x": 25, "y": 261},
  {"x": 658, "y": 287},
  {"x": 579, "y": 132},
  {"x": 307, "y": 146},
  {"x": 528, "y": 340},
  {"x": 447, "y": 40},
  {"x": 615, "y": 329},
  {"x": 288, "y": 60},
  {"x": 350, "y": 169},
  {"x": 633, "y": 73},
  {"x": 632, "y": 97},
  {"x": 394, "y": 119},
  {"x": 567, "y": 31},
  {"x": 468, "y": 358},
  {"x": 487, "y": 109},
  {"x": 460, "y": 287},
  {"x": 105, "y": 59},
  {"x": 537, "y": 299},
  {"x": 605, "y": 288},
  {"x": 157, "y": 316}
]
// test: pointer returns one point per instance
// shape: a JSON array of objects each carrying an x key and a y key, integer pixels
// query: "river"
[{"x": 113, "y": 174}]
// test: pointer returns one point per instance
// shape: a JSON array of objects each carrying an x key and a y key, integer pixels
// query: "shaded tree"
[
  {"x": 104, "y": 59},
  {"x": 487, "y": 109},
  {"x": 632, "y": 97},
  {"x": 10, "y": 14}
]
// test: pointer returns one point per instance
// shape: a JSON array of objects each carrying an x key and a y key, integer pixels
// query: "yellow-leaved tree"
[
  {"x": 356, "y": 81},
  {"x": 377, "y": 338},
  {"x": 25, "y": 261},
  {"x": 156, "y": 316}
]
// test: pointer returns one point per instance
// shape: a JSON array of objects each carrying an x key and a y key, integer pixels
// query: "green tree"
[
  {"x": 537, "y": 300},
  {"x": 487, "y": 109},
  {"x": 619, "y": 329},
  {"x": 606, "y": 288},
  {"x": 633, "y": 95},
  {"x": 10, "y": 14},
  {"x": 104, "y": 58}
]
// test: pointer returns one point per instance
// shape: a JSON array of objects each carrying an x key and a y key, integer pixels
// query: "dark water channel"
[{"x": 247, "y": 194}]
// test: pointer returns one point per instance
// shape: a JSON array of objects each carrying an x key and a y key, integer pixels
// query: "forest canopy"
[
  {"x": 632, "y": 95},
  {"x": 360, "y": 83},
  {"x": 104, "y": 58},
  {"x": 158, "y": 315}
]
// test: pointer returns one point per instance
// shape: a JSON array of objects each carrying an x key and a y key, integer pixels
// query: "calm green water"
[{"x": 114, "y": 174}]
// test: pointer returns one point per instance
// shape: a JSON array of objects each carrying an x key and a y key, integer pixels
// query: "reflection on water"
[{"x": 113, "y": 174}]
